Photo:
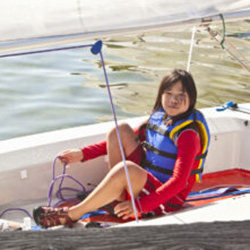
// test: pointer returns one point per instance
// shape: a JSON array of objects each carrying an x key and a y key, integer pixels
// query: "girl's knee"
[
  {"x": 118, "y": 173},
  {"x": 137, "y": 175},
  {"x": 124, "y": 128},
  {"x": 131, "y": 166},
  {"x": 119, "y": 167}
]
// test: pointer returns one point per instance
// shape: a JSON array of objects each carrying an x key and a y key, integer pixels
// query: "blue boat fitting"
[
  {"x": 227, "y": 105},
  {"x": 234, "y": 107},
  {"x": 96, "y": 48}
]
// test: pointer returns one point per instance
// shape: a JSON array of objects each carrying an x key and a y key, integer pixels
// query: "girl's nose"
[{"x": 174, "y": 99}]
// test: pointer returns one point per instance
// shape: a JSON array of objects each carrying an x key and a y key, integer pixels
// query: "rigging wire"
[
  {"x": 227, "y": 46},
  {"x": 44, "y": 51},
  {"x": 223, "y": 32},
  {"x": 191, "y": 48},
  {"x": 119, "y": 138}
]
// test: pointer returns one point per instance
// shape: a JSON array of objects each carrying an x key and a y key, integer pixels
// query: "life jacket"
[{"x": 161, "y": 149}]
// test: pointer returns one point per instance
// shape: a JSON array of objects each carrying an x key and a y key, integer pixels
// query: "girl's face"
[{"x": 174, "y": 100}]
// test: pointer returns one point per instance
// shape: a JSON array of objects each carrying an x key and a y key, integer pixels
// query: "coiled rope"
[{"x": 59, "y": 192}]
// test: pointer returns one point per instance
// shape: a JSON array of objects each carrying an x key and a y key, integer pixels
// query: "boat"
[
  {"x": 27, "y": 167},
  {"x": 27, "y": 162}
]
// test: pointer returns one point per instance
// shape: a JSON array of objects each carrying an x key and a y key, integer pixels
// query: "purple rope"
[
  {"x": 119, "y": 138},
  {"x": 45, "y": 51},
  {"x": 59, "y": 192},
  {"x": 61, "y": 177},
  {"x": 15, "y": 209},
  {"x": 60, "y": 189}
]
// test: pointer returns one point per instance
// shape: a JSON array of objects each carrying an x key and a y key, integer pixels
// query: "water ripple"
[{"x": 67, "y": 88}]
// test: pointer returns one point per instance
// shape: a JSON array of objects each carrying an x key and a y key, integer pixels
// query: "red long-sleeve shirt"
[
  {"x": 181, "y": 183},
  {"x": 99, "y": 149}
]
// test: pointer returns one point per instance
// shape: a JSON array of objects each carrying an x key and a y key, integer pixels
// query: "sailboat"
[{"x": 26, "y": 162}]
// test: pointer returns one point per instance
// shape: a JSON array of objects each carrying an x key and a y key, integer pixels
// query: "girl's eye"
[{"x": 182, "y": 97}]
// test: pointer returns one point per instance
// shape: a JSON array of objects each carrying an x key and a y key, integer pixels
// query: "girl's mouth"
[{"x": 173, "y": 107}]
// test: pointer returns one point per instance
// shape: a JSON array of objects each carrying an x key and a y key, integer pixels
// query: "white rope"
[{"x": 191, "y": 49}]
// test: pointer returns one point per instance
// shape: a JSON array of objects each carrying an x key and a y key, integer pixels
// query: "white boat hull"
[{"x": 26, "y": 162}]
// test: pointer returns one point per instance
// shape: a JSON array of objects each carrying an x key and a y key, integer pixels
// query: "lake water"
[{"x": 51, "y": 91}]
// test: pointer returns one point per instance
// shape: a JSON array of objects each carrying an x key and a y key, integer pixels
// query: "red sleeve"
[
  {"x": 95, "y": 150},
  {"x": 99, "y": 149},
  {"x": 188, "y": 147}
]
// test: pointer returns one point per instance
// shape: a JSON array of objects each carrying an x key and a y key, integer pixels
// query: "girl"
[{"x": 162, "y": 169}]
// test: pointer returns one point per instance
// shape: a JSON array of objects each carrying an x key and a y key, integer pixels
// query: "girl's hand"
[
  {"x": 124, "y": 209},
  {"x": 71, "y": 156}
]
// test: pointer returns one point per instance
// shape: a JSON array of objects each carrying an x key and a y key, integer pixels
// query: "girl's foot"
[{"x": 50, "y": 217}]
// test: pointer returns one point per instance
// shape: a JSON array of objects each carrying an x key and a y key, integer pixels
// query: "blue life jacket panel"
[{"x": 161, "y": 149}]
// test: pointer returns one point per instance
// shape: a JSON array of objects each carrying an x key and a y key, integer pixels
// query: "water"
[{"x": 46, "y": 92}]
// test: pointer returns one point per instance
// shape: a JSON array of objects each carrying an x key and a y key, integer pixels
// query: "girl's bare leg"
[
  {"x": 111, "y": 187},
  {"x": 129, "y": 140}
]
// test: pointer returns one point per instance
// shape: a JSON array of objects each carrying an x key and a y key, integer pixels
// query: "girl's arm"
[
  {"x": 99, "y": 149},
  {"x": 94, "y": 150},
  {"x": 188, "y": 147}
]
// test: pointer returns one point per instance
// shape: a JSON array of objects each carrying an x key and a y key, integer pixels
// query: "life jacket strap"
[
  {"x": 151, "y": 148},
  {"x": 148, "y": 164},
  {"x": 201, "y": 156},
  {"x": 158, "y": 129}
]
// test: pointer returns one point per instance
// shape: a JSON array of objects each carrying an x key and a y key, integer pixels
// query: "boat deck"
[{"x": 211, "y": 201}]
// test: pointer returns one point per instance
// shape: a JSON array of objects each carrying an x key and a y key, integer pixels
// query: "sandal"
[{"x": 50, "y": 217}]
